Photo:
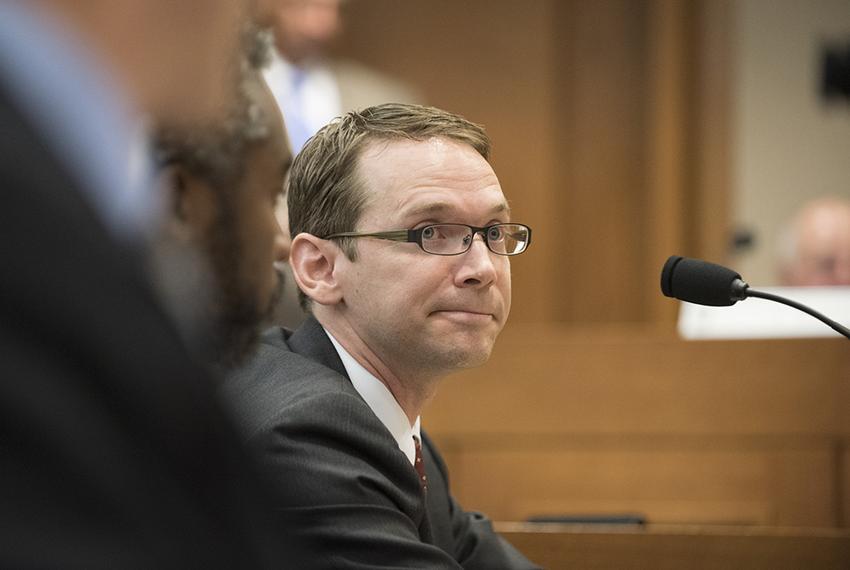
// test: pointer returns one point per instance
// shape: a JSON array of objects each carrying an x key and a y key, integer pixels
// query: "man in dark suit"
[
  {"x": 114, "y": 449},
  {"x": 401, "y": 247}
]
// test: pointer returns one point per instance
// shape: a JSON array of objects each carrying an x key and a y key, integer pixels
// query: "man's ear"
[
  {"x": 313, "y": 261},
  {"x": 192, "y": 205}
]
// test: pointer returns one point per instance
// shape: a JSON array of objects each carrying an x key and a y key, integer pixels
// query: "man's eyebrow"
[{"x": 436, "y": 208}]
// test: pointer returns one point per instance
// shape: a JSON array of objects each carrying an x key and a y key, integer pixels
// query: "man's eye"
[
  {"x": 428, "y": 233},
  {"x": 494, "y": 234}
]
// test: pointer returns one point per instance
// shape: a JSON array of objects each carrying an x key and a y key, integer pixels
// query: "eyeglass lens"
[{"x": 449, "y": 239}]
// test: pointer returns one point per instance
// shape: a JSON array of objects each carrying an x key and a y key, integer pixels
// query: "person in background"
[
  {"x": 815, "y": 247},
  {"x": 401, "y": 251},
  {"x": 311, "y": 87},
  {"x": 115, "y": 451}
]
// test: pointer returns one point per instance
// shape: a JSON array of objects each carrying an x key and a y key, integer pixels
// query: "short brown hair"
[{"x": 325, "y": 192}]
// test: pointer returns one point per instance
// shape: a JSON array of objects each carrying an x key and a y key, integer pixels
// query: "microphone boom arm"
[{"x": 837, "y": 327}]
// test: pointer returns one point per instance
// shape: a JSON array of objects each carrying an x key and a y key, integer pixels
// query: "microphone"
[{"x": 704, "y": 283}]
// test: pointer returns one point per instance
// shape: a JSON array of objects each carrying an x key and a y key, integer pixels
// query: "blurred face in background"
[
  {"x": 303, "y": 29},
  {"x": 820, "y": 245}
]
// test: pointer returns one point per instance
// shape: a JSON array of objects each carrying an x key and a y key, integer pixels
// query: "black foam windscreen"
[{"x": 699, "y": 282}]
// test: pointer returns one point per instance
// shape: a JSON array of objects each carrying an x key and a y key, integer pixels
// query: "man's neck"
[{"x": 411, "y": 388}]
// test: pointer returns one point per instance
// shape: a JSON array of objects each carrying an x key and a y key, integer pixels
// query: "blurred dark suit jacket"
[
  {"x": 114, "y": 450},
  {"x": 353, "y": 497}
]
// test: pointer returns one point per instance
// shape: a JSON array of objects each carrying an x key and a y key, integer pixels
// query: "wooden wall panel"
[
  {"x": 675, "y": 547},
  {"x": 741, "y": 481},
  {"x": 711, "y": 92},
  {"x": 603, "y": 89},
  {"x": 560, "y": 380},
  {"x": 670, "y": 156},
  {"x": 842, "y": 473},
  {"x": 619, "y": 419}
]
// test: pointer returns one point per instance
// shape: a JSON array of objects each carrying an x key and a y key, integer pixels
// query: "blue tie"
[{"x": 296, "y": 124}]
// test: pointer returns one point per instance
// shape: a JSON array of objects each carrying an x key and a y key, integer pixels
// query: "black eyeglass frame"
[{"x": 415, "y": 236}]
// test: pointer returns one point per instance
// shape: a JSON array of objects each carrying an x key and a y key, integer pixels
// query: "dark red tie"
[{"x": 419, "y": 465}]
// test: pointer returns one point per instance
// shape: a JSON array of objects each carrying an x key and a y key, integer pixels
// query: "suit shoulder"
[{"x": 277, "y": 384}]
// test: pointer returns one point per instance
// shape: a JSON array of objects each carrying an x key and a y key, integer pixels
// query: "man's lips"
[{"x": 465, "y": 316}]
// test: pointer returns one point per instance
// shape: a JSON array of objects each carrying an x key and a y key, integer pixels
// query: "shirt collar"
[{"x": 381, "y": 401}]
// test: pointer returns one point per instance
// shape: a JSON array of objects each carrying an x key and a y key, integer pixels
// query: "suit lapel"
[{"x": 311, "y": 341}]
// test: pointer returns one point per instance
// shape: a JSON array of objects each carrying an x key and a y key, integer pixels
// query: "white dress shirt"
[{"x": 381, "y": 401}]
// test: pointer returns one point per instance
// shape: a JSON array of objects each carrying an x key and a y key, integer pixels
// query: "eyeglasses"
[{"x": 454, "y": 239}]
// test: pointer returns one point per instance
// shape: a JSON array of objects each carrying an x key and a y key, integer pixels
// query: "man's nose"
[{"x": 477, "y": 267}]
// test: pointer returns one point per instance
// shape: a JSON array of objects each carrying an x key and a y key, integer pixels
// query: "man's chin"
[
  {"x": 473, "y": 360},
  {"x": 467, "y": 354}
]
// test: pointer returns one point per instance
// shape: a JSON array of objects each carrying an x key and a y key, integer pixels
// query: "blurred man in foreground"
[
  {"x": 114, "y": 452},
  {"x": 401, "y": 244}
]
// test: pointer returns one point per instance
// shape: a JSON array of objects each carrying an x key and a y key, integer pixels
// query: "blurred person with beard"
[
  {"x": 114, "y": 448},
  {"x": 224, "y": 183}
]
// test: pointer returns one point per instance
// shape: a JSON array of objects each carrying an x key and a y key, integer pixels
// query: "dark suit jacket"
[
  {"x": 114, "y": 449},
  {"x": 339, "y": 475}
]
